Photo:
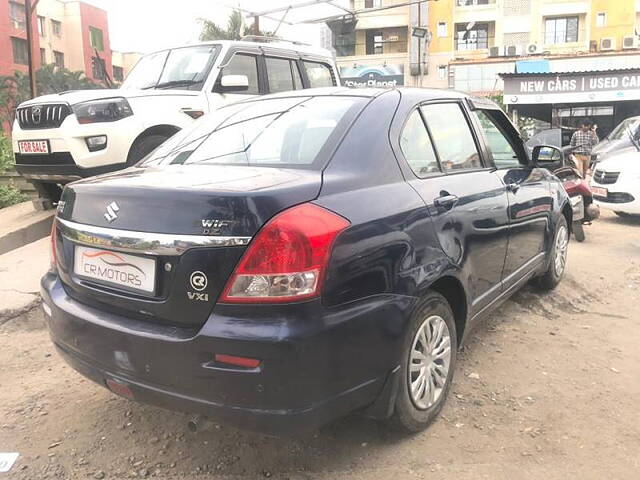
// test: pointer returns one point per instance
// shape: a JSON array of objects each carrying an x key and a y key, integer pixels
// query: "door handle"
[
  {"x": 446, "y": 201},
  {"x": 513, "y": 187}
]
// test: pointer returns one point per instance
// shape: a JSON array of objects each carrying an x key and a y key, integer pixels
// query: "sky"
[{"x": 148, "y": 25}]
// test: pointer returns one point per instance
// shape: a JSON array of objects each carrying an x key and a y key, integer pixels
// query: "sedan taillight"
[{"x": 287, "y": 259}]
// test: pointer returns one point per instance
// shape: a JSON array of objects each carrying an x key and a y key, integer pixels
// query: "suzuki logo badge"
[{"x": 112, "y": 212}]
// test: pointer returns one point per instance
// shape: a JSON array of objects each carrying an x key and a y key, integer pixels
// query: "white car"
[
  {"x": 616, "y": 183},
  {"x": 64, "y": 137}
]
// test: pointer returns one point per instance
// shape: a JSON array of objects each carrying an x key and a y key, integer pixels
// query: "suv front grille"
[
  {"x": 37, "y": 117},
  {"x": 606, "y": 178},
  {"x": 55, "y": 158}
]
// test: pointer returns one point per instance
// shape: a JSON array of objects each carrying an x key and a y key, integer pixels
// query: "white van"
[{"x": 64, "y": 137}]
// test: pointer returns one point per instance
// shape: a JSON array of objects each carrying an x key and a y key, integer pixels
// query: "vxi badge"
[{"x": 198, "y": 282}]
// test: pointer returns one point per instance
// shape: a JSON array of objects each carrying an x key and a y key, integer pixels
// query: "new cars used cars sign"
[{"x": 584, "y": 86}]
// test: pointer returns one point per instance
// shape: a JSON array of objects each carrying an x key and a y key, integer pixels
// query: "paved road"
[{"x": 554, "y": 395}]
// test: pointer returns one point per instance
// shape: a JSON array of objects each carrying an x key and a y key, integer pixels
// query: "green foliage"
[
  {"x": 6, "y": 154},
  {"x": 234, "y": 31},
  {"x": 10, "y": 195},
  {"x": 14, "y": 89}
]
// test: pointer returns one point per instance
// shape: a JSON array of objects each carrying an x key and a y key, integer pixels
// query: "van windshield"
[
  {"x": 184, "y": 68},
  {"x": 280, "y": 132},
  {"x": 622, "y": 130}
]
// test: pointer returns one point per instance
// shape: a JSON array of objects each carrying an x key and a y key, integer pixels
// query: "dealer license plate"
[
  {"x": 129, "y": 272},
  {"x": 33, "y": 147},
  {"x": 599, "y": 192}
]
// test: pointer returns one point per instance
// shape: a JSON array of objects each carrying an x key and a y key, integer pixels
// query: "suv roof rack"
[{"x": 268, "y": 39}]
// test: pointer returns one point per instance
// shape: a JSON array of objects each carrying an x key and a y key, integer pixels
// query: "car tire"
[
  {"x": 143, "y": 147},
  {"x": 413, "y": 411},
  {"x": 557, "y": 257},
  {"x": 578, "y": 231}
]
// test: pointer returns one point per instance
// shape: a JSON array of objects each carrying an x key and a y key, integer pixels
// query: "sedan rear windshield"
[
  {"x": 183, "y": 68},
  {"x": 281, "y": 132}
]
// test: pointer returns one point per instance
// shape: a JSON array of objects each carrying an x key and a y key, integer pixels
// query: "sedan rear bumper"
[{"x": 310, "y": 372}]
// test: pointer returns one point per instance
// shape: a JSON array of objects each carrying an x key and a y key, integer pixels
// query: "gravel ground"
[{"x": 548, "y": 387}]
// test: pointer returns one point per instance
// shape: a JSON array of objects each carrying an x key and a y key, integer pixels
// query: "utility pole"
[
  {"x": 28, "y": 10},
  {"x": 256, "y": 25}
]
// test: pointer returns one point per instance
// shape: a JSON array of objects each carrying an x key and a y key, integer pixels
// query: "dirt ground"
[{"x": 547, "y": 388}]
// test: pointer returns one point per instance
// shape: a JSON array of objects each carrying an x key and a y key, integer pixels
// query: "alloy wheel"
[
  {"x": 562, "y": 243},
  {"x": 429, "y": 362}
]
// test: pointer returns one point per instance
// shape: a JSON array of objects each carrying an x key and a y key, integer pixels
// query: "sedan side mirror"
[
  {"x": 233, "y": 83},
  {"x": 545, "y": 156}
]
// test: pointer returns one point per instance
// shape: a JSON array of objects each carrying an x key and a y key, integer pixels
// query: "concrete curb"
[{"x": 25, "y": 235}]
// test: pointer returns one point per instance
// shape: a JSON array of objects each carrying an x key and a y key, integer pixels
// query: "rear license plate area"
[{"x": 118, "y": 270}]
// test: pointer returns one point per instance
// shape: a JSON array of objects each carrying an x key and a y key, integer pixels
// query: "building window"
[
  {"x": 118, "y": 74},
  {"x": 56, "y": 28},
  {"x": 41, "y": 26},
  {"x": 97, "y": 40},
  {"x": 43, "y": 57},
  {"x": 97, "y": 68},
  {"x": 442, "y": 72},
  {"x": 17, "y": 15},
  {"x": 374, "y": 42},
  {"x": 372, "y": 3},
  {"x": 442, "y": 29},
  {"x": 561, "y": 30},
  {"x": 473, "y": 38},
  {"x": 58, "y": 59},
  {"x": 20, "y": 55},
  {"x": 601, "y": 20}
]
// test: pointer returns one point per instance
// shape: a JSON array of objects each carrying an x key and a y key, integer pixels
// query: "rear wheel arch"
[
  {"x": 151, "y": 132},
  {"x": 452, "y": 290},
  {"x": 567, "y": 211}
]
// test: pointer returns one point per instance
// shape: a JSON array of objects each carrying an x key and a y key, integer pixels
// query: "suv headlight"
[{"x": 107, "y": 110}]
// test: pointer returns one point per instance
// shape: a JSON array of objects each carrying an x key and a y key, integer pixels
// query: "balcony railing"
[
  {"x": 470, "y": 3},
  {"x": 358, "y": 49}
]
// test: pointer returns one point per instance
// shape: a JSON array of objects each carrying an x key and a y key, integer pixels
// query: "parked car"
[
  {"x": 293, "y": 258},
  {"x": 64, "y": 137},
  {"x": 620, "y": 140},
  {"x": 616, "y": 182}
]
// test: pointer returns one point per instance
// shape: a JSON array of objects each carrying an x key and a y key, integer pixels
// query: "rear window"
[{"x": 276, "y": 132}]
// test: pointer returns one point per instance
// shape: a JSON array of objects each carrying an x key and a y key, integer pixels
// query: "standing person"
[{"x": 584, "y": 139}]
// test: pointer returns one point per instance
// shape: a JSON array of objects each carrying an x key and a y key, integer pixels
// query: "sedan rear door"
[{"x": 467, "y": 202}]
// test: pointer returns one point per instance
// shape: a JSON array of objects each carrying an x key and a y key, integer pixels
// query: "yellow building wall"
[
  {"x": 620, "y": 19},
  {"x": 441, "y": 11}
]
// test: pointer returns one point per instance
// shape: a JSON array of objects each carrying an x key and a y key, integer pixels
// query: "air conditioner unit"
[
  {"x": 496, "y": 52},
  {"x": 534, "y": 49},
  {"x": 513, "y": 51},
  {"x": 629, "y": 42},
  {"x": 607, "y": 44}
]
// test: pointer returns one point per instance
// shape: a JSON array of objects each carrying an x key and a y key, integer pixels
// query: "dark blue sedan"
[{"x": 294, "y": 258}]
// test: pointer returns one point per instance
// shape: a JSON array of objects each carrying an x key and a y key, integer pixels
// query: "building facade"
[
  {"x": 475, "y": 45},
  {"x": 69, "y": 34}
]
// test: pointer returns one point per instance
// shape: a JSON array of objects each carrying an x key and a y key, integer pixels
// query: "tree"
[
  {"x": 235, "y": 29},
  {"x": 14, "y": 89}
]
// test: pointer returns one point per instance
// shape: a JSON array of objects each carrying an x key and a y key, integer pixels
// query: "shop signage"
[
  {"x": 590, "y": 82},
  {"x": 372, "y": 76}
]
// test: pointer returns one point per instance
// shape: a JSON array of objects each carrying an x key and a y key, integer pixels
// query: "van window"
[
  {"x": 279, "y": 74},
  {"x": 297, "y": 79},
  {"x": 452, "y": 136},
  {"x": 319, "y": 74},
  {"x": 244, "y": 64}
]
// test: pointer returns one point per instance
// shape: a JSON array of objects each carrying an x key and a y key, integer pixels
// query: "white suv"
[{"x": 63, "y": 137}]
